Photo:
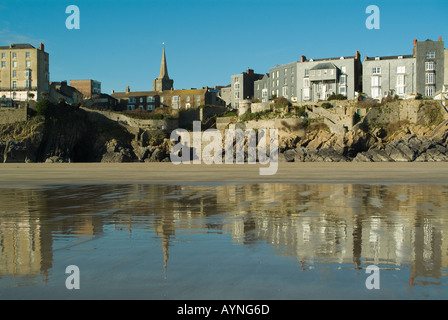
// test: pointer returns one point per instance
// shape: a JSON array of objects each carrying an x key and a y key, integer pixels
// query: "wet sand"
[{"x": 41, "y": 174}]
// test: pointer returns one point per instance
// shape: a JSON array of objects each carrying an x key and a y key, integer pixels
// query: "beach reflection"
[{"x": 315, "y": 224}]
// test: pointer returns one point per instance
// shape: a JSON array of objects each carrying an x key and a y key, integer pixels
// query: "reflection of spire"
[{"x": 165, "y": 245}]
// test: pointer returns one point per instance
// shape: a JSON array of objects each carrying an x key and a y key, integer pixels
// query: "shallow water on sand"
[{"x": 239, "y": 241}]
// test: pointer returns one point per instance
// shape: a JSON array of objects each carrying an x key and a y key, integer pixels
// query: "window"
[
  {"x": 3, "y": 64},
  {"x": 236, "y": 86},
  {"x": 307, "y": 72},
  {"x": 3, "y": 55},
  {"x": 28, "y": 73},
  {"x": 277, "y": 83},
  {"x": 343, "y": 90},
  {"x": 376, "y": 81},
  {"x": 292, "y": 70},
  {"x": 430, "y": 55},
  {"x": 429, "y": 66},
  {"x": 140, "y": 107},
  {"x": 28, "y": 63},
  {"x": 273, "y": 74},
  {"x": 264, "y": 93},
  {"x": 400, "y": 80},
  {"x": 376, "y": 70},
  {"x": 401, "y": 69},
  {"x": 306, "y": 82},
  {"x": 14, "y": 73},
  {"x": 175, "y": 106},
  {"x": 150, "y": 108},
  {"x": 429, "y": 79},
  {"x": 291, "y": 91},
  {"x": 188, "y": 98},
  {"x": 149, "y": 99},
  {"x": 27, "y": 54},
  {"x": 429, "y": 91},
  {"x": 306, "y": 93},
  {"x": 285, "y": 71},
  {"x": 277, "y": 73},
  {"x": 285, "y": 81},
  {"x": 198, "y": 98},
  {"x": 285, "y": 92},
  {"x": 141, "y": 100},
  {"x": 401, "y": 84},
  {"x": 27, "y": 83},
  {"x": 273, "y": 83},
  {"x": 175, "y": 98},
  {"x": 14, "y": 55},
  {"x": 344, "y": 69},
  {"x": 14, "y": 64},
  {"x": 188, "y": 106},
  {"x": 14, "y": 84},
  {"x": 292, "y": 79},
  {"x": 376, "y": 92},
  {"x": 342, "y": 80}
]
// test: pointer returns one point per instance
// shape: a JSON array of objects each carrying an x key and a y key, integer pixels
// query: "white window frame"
[
  {"x": 376, "y": 70},
  {"x": 429, "y": 91},
  {"x": 429, "y": 66},
  {"x": 430, "y": 78},
  {"x": 430, "y": 55},
  {"x": 375, "y": 81},
  {"x": 401, "y": 69}
]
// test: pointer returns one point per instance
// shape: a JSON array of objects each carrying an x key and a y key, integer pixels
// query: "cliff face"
[
  {"x": 392, "y": 132},
  {"x": 395, "y": 131},
  {"x": 66, "y": 136}
]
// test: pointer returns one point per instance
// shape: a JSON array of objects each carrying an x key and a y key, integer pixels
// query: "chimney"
[
  {"x": 357, "y": 55},
  {"x": 42, "y": 47},
  {"x": 250, "y": 71},
  {"x": 302, "y": 59},
  {"x": 128, "y": 89},
  {"x": 440, "y": 38},
  {"x": 10, "y": 46},
  {"x": 113, "y": 91},
  {"x": 415, "y": 42},
  {"x": 365, "y": 58}
]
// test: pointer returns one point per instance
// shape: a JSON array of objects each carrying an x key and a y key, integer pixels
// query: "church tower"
[{"x": 163, "y": 82}]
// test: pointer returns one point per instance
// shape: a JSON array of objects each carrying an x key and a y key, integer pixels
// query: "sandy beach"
[{"x": 40, "y": 174}]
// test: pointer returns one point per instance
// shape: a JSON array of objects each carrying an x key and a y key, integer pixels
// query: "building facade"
[
  {"x": 317, "y": 79},
  {"x": 283, "y": 81},
  {"x": 242, "y": 86},
  {"x": 88, "y": 87},
  {"x": 430, "y": 58},
  {"x": 24, "y": 72},
  {"x": 176, "y": 99},
  {"x": 262, "y": 91},
  {"x": 392, "y": 75}
]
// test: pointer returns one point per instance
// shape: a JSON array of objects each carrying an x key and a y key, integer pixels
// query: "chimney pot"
[
  {"x": 42, "y": 47},
  {"x": 440, "y": 38}
]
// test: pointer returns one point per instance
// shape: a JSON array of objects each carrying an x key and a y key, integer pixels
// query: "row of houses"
[{"x": 423, "y": 72}]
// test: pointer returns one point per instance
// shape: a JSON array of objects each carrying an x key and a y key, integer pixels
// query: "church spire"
[
  {"x": 163, "y": 82},
  {"x": 163, "y": 67}
]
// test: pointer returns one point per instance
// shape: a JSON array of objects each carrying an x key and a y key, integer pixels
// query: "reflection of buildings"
[
  {"x": 394, "y": 225},
  {"x": 28, "y": 233}
]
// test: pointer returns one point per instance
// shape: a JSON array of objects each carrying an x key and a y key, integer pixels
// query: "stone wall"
[
  {"x": 145, "y": 124},
  {"x": 11, "y": 115}
]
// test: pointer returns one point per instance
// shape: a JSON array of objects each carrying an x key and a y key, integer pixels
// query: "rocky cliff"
[{"x": 390, "y": 132}]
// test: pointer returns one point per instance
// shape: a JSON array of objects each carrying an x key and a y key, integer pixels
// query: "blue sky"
[{"x": 120, "y": 42}]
